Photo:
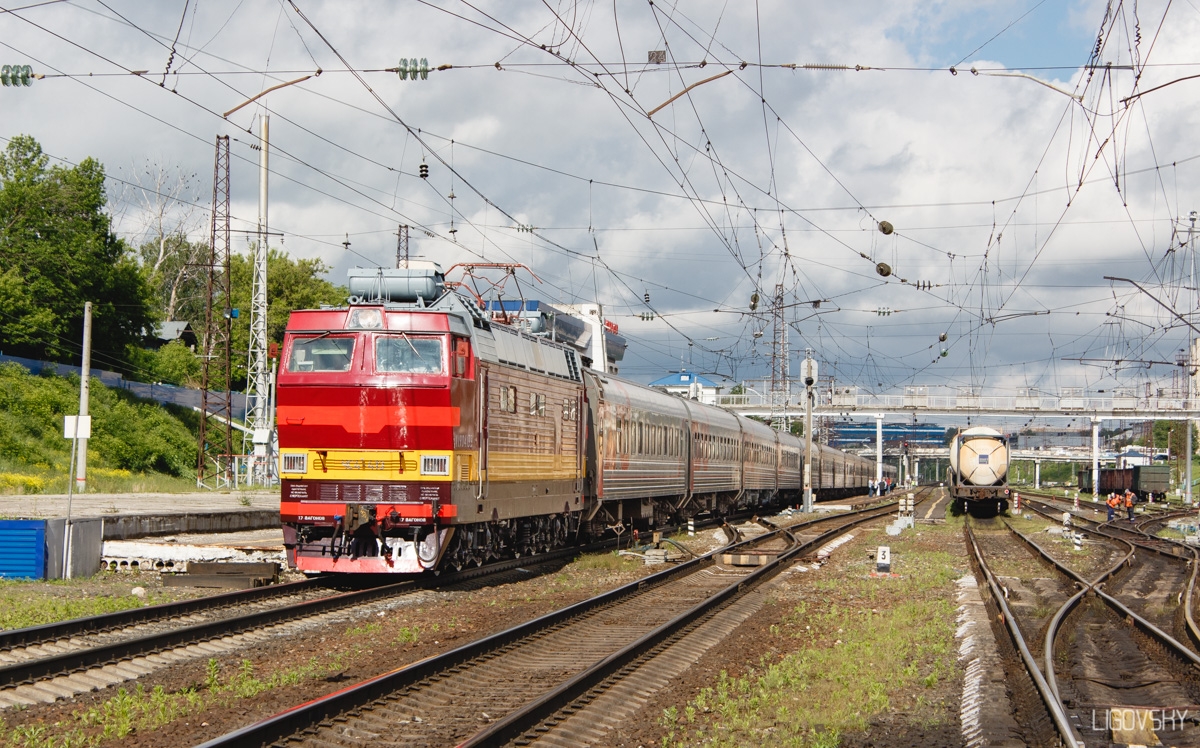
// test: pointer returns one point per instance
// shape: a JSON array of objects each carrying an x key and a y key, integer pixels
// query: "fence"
[{"x": 164, "y": 393}]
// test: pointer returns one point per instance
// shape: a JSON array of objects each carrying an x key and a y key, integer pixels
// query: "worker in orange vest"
[
  {"x": 1113, "y": 502},
  {"x": 1129, "y": 503}
]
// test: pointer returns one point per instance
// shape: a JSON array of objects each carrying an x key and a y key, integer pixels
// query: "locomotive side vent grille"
[
  {"x": 464, "y": 468},
  {"x": 295, "y": 463},
  {"x": 434, "y": 465}
]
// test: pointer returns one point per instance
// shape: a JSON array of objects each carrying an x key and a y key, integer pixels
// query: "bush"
[{"x": 128, "y": 434}]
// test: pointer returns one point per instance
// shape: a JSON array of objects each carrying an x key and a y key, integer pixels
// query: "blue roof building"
[{"x": 689, "y": 384}]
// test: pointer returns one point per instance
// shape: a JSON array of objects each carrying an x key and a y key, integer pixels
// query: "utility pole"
[
  {"x": 810, "y": 378},
  {"x": 258, "y": 385},
  {"x": 1192, "y": 345},
  {"x": 84, "y": 396}
]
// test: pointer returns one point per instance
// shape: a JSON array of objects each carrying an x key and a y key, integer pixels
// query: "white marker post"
[{"x": 74, "y": 428}]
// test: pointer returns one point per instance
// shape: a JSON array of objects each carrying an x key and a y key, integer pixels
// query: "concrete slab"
[
  {"x": 88, "y": 682},
  {"x": 35, "y": 695},
  {"x": 175, "y": 552},
  {"x": 137, "y": 515}
]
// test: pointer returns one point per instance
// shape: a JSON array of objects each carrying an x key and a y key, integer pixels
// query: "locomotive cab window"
[
  {"x": 406, "y": 354},
  {"x": 320, "y": 353}
]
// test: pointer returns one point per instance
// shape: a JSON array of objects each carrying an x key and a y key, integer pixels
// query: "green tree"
[
  {"x": 57, "y": 251},
  {"x": 1170, "y": 435},
  {"x": 176, "y": 272},
  {"x": 174, "y": 363},
  {"x": 291, "y": 284}
]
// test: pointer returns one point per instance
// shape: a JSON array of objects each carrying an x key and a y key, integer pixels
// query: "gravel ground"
[{"x": 326, "y": 659}]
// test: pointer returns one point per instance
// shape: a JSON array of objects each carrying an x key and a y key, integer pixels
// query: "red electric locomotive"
[{"x": 414, "y": 432}]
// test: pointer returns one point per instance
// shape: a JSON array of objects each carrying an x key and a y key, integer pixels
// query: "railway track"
[
  {"x": 1109, "y": 671},
  {"x": 43, "y": 663},
  {"x": 561, "y": 679}
]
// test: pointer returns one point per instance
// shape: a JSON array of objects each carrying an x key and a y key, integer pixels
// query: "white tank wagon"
[{"x": 979, "y": 468}]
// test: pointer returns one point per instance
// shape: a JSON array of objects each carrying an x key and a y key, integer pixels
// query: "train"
[
  {"x": 419, "y": 432},
  {"x": 1143, "y": 480},
  {"x": 978, "y": 475}
]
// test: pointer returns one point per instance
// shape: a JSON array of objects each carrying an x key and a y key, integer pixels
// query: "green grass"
[
  {"x": 136, "y": 445},
  {"x": 862, "y": 641},
  {"x": 20, "y": 609},
  {"x": 606, "y": 561},
  {"x": 372, "y": 627},
  {"x": 142, "y": 711},
  {"x": 410, "y": 635}
]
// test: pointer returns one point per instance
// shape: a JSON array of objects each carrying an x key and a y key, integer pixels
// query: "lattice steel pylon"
[
  {"x": 780, "y": 371},
  {"x": 402, "y": 246},
  {"x": 258, "y": 379},
  {"x": 215, "y": 467}
]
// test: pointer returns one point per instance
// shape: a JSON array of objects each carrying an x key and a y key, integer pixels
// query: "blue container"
[{"x": 23, "y": 548}]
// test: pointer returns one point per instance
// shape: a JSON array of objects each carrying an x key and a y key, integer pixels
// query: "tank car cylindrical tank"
[{"x": 979, "y": 457}]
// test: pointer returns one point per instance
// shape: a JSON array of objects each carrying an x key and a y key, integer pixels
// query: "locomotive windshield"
[
  {"x": 406, "y": 354},
  {"x": 321, "y": 353}
]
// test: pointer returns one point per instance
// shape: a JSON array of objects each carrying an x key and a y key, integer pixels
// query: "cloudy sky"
[{"x": 1020, "y": 151}]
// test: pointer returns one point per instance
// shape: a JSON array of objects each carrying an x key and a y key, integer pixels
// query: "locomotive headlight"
[{"x": 365, "y": 319}]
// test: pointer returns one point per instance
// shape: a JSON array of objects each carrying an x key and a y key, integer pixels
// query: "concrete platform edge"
[{"x": 129, "y": 526}]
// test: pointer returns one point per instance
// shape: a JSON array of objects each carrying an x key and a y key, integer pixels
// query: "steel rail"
[
  {"x": 1146, "y": 626},
  {"x": 48, "y": 632},
  {"x": 1049, "y": 695},
  {"x": 1066, "y": 608},
  {"x": 1193, "y": 631},
  {"x": 296, "y": 719},
  {"x": 1103, "y": 530},
  {"x": 85, "y": 659},
  {"x": 529, "y": 716},
  {"x": 81, "y": 659}
]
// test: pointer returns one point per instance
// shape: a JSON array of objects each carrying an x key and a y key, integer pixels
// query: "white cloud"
[{"x": 671, "y": 200}]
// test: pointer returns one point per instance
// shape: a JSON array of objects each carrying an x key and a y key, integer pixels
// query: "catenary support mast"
[{"x": 258, "y": 385}]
